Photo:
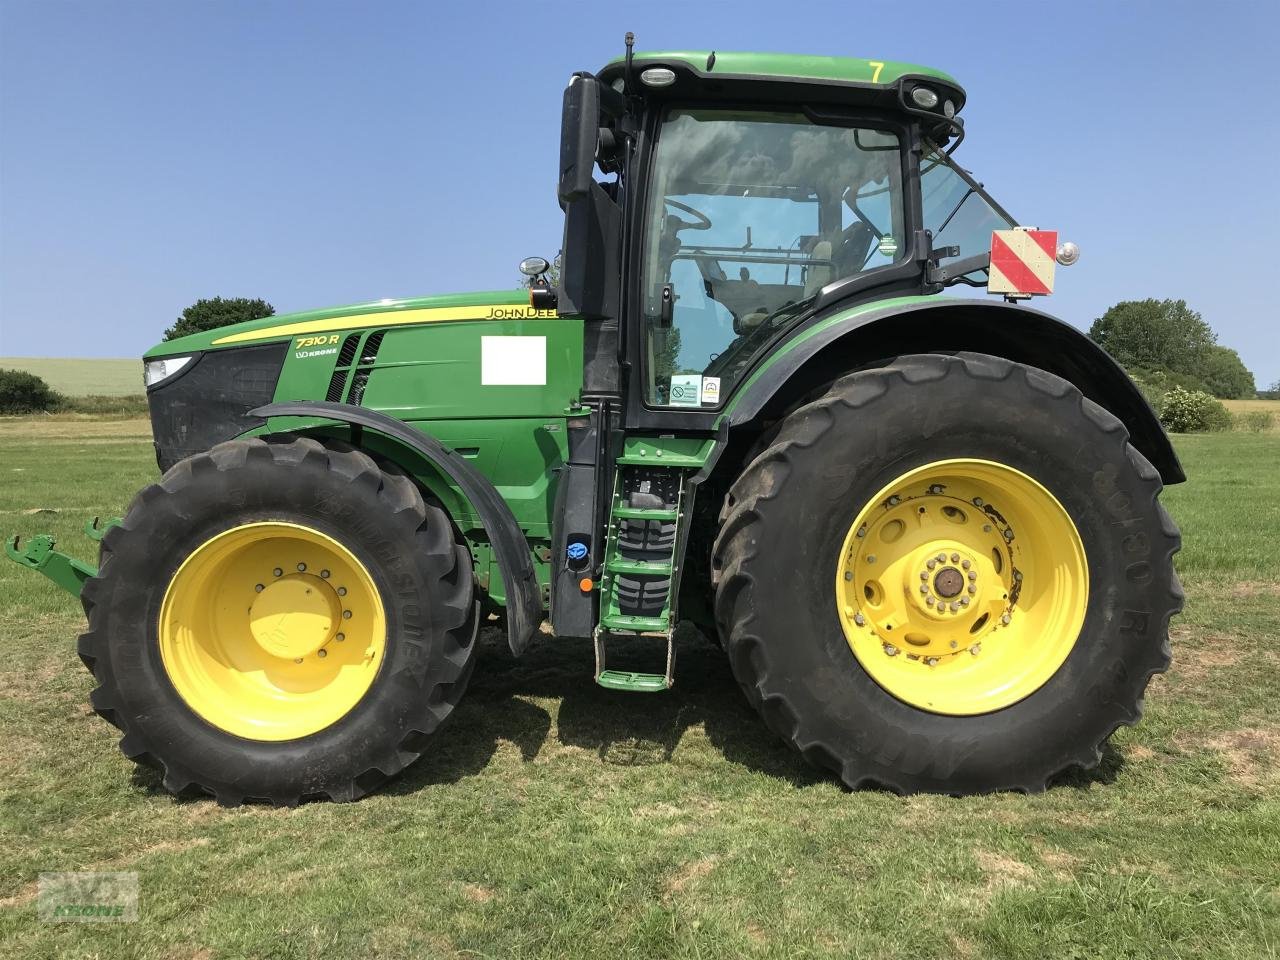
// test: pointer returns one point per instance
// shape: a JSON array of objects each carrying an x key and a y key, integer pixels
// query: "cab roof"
[
  {"x": 784, "y": 78},
  {"x": 790, "y": 66}
]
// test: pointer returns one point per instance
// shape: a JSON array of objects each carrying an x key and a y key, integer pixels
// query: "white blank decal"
[{"x": 513, "y": 361}]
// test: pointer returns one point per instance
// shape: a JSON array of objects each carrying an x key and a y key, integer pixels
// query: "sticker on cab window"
[
  {"x": 711, "y": 390},
  {"x": 686, "y": 390}
]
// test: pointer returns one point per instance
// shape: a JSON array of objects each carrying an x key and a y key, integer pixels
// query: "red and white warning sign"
[{"x": 1022, "y": 261}]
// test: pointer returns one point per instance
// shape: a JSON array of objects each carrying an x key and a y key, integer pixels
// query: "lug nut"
[
  {"x": 1005, "y": 619},
  {"x": 973, "y": 575},
  {"x": 848, "y": 575},
  {"x": 977, "y": 501},
  {"x": 890, "y": 650},
  {"x": 299, "y": 660},
  {"x": 1017, "y": 575},
  {"x": 964, "y": 601},
  {"x": 346, "y": 614},
  {"x": 340, "y": 637},
  {"x": 975, "y": 649},
  {"x": 894, "y": 500},
  {"x": 972, "y": 588},
  {"x": 871, "y": 558},
  {"x": 302, "y": 568},
  {"x": 924, "y": 588},
  {"x": 931, "y": 661},
  {"x": 322, "y": 653},
  {"x": 953, "y": 644},
  {"x": 1008, "y": 534},
  {"x": 924, "y": 575},
  {"x": 986, "y": 528},
  {"x": 936, "y": 488},
  {"x": 955, "y": 605},
  {"x": 325, "y": 574},
  {"x": 931, "y": 563},
  {"x": 859, "y": 619},
  {"x": 258, "y": 588},
  {"x": 965, "y": 564},
  {"x": 942, "y": 558},
  {"x": 278, "y": 572},
  {"x": 342, "y": 591},
  {"x": 955, "y": 558},
  {"x": 862, "y": 530}
]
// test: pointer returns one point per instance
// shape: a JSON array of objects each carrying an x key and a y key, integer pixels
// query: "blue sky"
[{"x": 318, "y": 153}]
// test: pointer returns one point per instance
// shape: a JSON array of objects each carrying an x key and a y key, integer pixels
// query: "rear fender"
[
  {"x": 510, "y": 548},
  {"x": 869, "y": 334}
]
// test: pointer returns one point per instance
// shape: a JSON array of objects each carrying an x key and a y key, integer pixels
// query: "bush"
[
  {"x": 1255, "y": 421},
  {"x": 22, "y": 392},
  {"x": 1193, "y": 411}
]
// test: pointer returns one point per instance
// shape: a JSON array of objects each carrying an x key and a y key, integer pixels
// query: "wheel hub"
[
  {"x": 294, "y": 616},
  {"x": 948, "y": 583}
]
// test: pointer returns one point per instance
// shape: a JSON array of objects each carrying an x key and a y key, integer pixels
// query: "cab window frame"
[{"x": 641, "y": 412}]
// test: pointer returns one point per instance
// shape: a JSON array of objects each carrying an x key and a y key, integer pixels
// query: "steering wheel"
[{"x": 702, "y": 223}]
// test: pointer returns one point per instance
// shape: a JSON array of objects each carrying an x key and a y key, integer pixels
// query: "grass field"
[
  {"x": 83, "y": 377},
  {"x": 556, "y": 819}
]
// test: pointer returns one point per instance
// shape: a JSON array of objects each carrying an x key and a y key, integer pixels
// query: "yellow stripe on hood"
[{"x": 392, "y": 318}]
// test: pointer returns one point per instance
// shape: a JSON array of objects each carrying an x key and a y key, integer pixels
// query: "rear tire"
[
  {"x": 419, "y": 579},
  {"x": 788, "y": 524}
]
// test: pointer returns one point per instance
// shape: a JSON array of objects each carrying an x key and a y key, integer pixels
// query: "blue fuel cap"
[{"x": 577, "y": 551}]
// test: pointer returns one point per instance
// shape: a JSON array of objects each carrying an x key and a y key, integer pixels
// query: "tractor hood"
[{"x": 455, "y": 306}]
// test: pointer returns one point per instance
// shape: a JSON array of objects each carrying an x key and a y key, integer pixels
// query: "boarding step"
[
  {"x": 626, "y": 623},
  {"x": 631, "y": 681},
  {"x": 639, "y": 567},
  {"x": 644, "y": 513}
]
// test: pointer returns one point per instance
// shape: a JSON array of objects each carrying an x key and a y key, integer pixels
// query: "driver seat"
[{"x": 818, "y": 275}]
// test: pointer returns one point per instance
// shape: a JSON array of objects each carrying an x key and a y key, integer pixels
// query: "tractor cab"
[{"x": 747, "y": 194}]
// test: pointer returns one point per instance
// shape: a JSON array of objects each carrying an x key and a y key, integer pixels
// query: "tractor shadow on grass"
[{"x": 624, "y": 729}]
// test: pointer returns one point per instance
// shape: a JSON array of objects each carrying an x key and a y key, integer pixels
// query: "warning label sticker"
[
  {"x": 711, "y": 390},
  {"x": 686, "y": 390}
]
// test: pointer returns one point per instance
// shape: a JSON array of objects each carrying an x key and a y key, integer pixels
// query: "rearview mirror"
[{"x": 579, "y": 134}]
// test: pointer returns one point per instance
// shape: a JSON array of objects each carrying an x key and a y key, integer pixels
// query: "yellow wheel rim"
[
  {"x": 962, "y": 586},
  {"x": 272, "y": 631}
]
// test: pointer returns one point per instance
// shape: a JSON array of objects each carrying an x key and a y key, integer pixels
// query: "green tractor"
[{"x": 924, "y": 529}]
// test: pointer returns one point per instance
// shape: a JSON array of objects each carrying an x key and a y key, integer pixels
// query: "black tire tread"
[
  {"x": 395, "y": 492},
  {"x": 763, "y": 479}
]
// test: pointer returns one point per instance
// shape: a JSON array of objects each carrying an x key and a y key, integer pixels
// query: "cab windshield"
[{"x": 750, "y": 215}]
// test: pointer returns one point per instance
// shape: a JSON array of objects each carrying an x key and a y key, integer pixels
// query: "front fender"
[
  {"x": 510, "y": 548},
  {"x": 857, "y": 337}
]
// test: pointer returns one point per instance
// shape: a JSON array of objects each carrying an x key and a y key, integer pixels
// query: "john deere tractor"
[{"x": 924, "y": 528}]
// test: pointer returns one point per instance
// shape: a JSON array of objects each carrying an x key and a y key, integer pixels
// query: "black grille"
[
  {"x": 367, "y": 357},
  {"x": 338, "y": 382},
  {"x": 348, "y": 351},
  {"x": 206, "y": 403},
  {"x": 371, "y": 346}
]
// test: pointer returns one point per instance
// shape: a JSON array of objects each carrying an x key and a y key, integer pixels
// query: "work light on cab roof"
[{"x": 741, "y": 398}]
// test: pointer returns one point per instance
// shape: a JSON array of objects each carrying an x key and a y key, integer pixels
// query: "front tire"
[
  {"x": 279, "y": 620},
  {"x": 871, "y": 591}
]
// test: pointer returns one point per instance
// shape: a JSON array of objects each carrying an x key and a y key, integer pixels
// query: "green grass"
[
  {"x": 555, "y": 819},
  {"x": 77, "y": 377}
]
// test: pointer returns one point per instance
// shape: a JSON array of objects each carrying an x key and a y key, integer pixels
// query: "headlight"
[
  {"x": 154, "y": 371},
  {"x": 924, "y": 97}
]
